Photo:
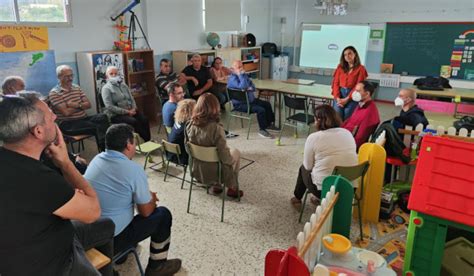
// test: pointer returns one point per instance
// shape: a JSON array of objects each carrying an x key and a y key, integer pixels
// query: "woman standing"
[
  {"x": 349, "y": 72},
  {"x": 206, "y": 131},
  {"x": 328, "y": 147}
]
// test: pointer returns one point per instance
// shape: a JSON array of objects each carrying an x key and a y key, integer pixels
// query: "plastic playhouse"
[{"x": 442, "y": 195}]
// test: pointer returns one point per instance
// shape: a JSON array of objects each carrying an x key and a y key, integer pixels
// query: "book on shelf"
[
  {"x": 138, "y": 89},
  {"x": 136, "y": 65}
]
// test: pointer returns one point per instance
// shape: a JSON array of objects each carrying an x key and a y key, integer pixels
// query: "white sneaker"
[{"x": 265, "y": 134}]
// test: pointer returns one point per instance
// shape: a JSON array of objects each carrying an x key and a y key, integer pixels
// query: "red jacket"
[
  {"x": 366, "y": 118},
  {"x": 347, "y": 80}
]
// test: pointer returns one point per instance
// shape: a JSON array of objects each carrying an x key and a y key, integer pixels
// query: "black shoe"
[{"x": 169, "y": 267}]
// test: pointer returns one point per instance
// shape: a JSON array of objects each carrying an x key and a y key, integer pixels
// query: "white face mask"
[
  {"x": 356, "y": 96},
  {"x": 399, "y": 101}
]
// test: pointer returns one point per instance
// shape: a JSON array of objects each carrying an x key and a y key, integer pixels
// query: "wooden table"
[{"x": 457, "y": 95}]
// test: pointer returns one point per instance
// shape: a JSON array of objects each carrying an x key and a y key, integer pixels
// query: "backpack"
[
  {"x": 432, "y": 83},
  {"x": 466, "y": 122}
]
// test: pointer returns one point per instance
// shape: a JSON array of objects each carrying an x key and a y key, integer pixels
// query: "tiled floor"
[{"x": 264, "y": 219}]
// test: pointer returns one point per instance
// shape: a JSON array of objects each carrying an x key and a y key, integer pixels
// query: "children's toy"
[
  {"x": 442, "y": 195},
  {"x": 338, "y": 256},
  {"x": 373, "y": 181}
]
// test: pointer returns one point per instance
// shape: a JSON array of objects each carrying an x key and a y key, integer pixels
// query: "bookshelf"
[
  {"x": 137, "y": 69},
  {"x": 250, "y": 56},
  {"x": 182, "y": 59}
]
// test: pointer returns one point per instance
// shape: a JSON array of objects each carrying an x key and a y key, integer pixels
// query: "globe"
[{"x": 213, "y": 40}]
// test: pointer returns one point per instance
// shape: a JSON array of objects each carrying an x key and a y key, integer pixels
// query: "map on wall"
[{"x": 37, "y": 68}]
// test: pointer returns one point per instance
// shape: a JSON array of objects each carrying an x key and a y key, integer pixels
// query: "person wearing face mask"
[
  {"x": 365, "y": 118},
  {"x": 410, "y": 114},
  {"x": 348, "y": 73},
  {"x": 120, "y": 105},
  {"x": 69, "y": 103}
]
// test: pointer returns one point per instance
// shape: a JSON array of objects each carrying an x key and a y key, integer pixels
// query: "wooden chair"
[
  {"x": 175, "y": 150},
  {"x": 72, "y": 140},
  {"x": 96, "y": 258},
  {"x": 241, "y": 96},
  {"x": 210, "y": 155}
]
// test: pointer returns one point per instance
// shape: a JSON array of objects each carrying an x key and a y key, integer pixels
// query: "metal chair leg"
[
  {"x": 137, "y": 259},
  {"x": 146, "y": 160},
  {"x": 248, "y": 131},
  {"x": 189, "y": 198},
  {"x": 166, "y": 171},
  {"x": 302, "y": 205},
  {"x": 360, "y": 221},
  {"x": 184, "y": 177}
]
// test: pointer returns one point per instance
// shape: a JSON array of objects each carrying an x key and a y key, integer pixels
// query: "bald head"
[
  {"x": 408, "y": 96},
  {"x": 237, "y": 66},
  {"x": 13, "y": 84}
]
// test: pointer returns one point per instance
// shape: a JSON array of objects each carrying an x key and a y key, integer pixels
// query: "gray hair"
[
  {"x": 18, "y": 114},
  {"x": 110, "y": 68},
  {"x": 196, "y": 55},
  {"x": 61, "y": 68},
  {"x": 9, "y": 82}
]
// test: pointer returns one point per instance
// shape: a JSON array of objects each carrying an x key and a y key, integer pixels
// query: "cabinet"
[
  {"x": 275, "y": 67},
  {"x": 182, "y": 59},
  {"x": 137, "y": 69},
  {"x": 251, "y": 58}
]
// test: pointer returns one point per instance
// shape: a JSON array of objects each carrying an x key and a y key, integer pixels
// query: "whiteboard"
[{"x": 322, "y": 44}]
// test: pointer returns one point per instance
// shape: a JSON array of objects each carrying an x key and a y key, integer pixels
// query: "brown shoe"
[
  {"x": 296, "y": 203},
  {"x": 168, "y": 268},
  {"x": 233, "y": 193}
]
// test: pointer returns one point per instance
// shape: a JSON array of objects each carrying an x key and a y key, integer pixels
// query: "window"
[{"x": 44, "y": 12}]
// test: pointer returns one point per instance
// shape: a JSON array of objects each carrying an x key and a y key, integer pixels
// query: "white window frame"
[{"x": 68, "y": 23}]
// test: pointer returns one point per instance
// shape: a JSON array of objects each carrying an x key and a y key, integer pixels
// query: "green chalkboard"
[{"x": 422, "y": 48}]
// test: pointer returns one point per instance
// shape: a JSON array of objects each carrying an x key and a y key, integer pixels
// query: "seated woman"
[
  {"x": 181, "y": 116},
  {"x": 205, "y": 130},
  {"x": 120, "y": 105},
  {"x": 328, "y": 147},
  {"x": 219, "y": 75}
]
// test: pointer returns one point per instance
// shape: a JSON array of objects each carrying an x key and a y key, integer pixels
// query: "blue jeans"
[
  {"x": 157, "y": 226},
  {"x": 265, "y": 115},
  {"x": 346, "y": 111}
]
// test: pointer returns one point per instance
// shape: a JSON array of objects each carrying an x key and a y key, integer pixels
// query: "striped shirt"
[
  {"x": 163, "y": 81},
  {"x": 59, "y": 96}
]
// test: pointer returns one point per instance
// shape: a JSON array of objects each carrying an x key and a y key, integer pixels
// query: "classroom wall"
[
  {"x": 169, "y": 25},
  {"x": 373, "y": 12}
]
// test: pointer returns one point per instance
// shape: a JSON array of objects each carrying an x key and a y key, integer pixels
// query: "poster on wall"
[
  {"x": 37, "y": 68},
  {"x": 23, "y": 38},
  {"x": 101, "y": 62}
]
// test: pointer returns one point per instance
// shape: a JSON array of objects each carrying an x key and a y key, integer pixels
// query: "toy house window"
[{"x": 35, "y": 12}]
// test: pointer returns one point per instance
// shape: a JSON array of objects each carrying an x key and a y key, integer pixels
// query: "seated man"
[
  {"x": 410, "y": 114},
  {"x": 12, "y": 84},
  {"x": 365, "y": 118},
  {"x": 198, "y": 78},
  {"x": 69, "y": 103},
  {"x": 165, "y": 78},
  {"x": 122, "y": 183},
  {"x": 37, "y": 204},
  {"x": 176, "y": 94},
  {"x": 265, "y": 116}
]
